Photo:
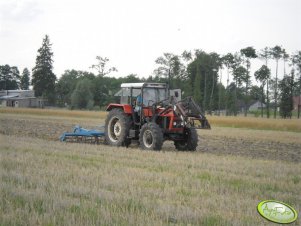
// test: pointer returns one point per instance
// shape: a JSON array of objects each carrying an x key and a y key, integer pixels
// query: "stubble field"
[{"x": 46, "y": 182}]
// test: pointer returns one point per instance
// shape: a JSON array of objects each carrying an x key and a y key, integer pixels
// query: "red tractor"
[{"x": 148, "y": 113}]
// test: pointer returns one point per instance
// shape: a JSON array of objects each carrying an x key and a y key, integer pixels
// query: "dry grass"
[
  {"x": 253, "y": 134},
  {"x": 51, "y": 183},
  {"x": 45, "y": 182},
  {"x": 263, "y": 144},
  {"x": 54, "y": 112},
  {"x": 293, "y": 125}
]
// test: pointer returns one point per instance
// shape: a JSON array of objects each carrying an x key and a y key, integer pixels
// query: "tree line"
[
  {"x": 11, "y": 79},
  {"x": 197, "y": 73}
]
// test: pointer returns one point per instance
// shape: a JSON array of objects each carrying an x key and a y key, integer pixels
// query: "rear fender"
[{"x": 125, "y": 107}]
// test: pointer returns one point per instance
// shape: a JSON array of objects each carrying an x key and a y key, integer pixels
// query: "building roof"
[
  {"x": 8, "y": 96},
  {"x": 257, "y": 104},
  {"x": 143, "y": 84}
]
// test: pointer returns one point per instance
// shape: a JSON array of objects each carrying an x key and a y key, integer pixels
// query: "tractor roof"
[{"x": 143, "y": 84}]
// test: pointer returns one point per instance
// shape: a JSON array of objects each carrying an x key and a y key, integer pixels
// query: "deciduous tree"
[
  {"x": 9, "y": 77},
  {"x": 101, "y": 66},
  {"x": 66, "y": 85},
  {"x": 82, "y": 96},
  {"x": 171, "y": 68}
]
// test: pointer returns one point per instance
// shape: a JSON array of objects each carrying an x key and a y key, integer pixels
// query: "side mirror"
[{"x": 176, "y": 93}]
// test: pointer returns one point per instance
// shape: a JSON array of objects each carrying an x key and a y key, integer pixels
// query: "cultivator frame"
[{"x": 81, "y": 135}]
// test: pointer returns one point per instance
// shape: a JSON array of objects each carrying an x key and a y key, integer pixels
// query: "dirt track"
[{"x": 274, "y": 145}]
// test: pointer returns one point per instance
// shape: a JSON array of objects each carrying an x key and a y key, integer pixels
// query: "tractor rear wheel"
[
  {"x": 151, "y": 137},
  {"x": 117, "y": 128},
  {"x": 190, "y": 141}
]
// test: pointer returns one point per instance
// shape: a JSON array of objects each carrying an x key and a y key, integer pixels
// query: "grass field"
[{"x": 46, "y": 182}]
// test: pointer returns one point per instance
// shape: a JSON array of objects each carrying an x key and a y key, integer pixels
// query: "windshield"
[
  {"x": 125, "y": 94},
  {"x": 153, "y": 95}
]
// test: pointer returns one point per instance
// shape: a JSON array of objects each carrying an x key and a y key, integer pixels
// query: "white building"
[
  {"x": 20, "y": 98},
  {"x": 256, "y": 106}
]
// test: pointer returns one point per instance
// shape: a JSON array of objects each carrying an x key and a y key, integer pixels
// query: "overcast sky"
[{"x": 133, "y": 33}]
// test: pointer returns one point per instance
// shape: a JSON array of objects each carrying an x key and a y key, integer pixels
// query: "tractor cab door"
[
  {"x": 149, "y": 97},
  {"x": 153, "y": 95}
]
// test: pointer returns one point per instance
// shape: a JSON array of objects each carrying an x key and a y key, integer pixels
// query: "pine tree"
[
  {"x": 248, "y": 53},
  {"x": 262, "y": 75},
  {"x": 265, "y": 54},
  {"x": 296, "y": 61},
  {"x": 43, "y": 79},
  {"x": 277, "y": 54},
  {"x": 25, "y": 79},
  {"x": 228, "y": 61}
]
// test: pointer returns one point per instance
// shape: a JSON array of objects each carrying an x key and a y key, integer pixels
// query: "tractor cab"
[
  {"x": 141, "y": 97},
  {"x": 142, "y": 93}
]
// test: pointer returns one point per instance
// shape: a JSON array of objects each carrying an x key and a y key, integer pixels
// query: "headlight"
[{"x": 178, "y": 124}]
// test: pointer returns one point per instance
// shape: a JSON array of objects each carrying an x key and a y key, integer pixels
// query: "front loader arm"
[{"x": 190, "y": 111}]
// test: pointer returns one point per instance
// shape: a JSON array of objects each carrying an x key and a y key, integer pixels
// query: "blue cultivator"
[{"x": 82, "y": 135}]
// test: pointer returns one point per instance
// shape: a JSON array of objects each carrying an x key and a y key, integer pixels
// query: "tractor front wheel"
[
  {"x": 117, "y": 128},
  {"x": 151, "y": 137},
  {"x": 190, "y": 141}
]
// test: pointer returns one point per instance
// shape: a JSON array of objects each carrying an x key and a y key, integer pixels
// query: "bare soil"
[
  {"x": 284, "y": 146},
  {"x": 272, "y": 150}
]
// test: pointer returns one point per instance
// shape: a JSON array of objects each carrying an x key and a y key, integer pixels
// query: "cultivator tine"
[
  {"x": 81, "y": 135},
  {"x": 83, "y": 139}
]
